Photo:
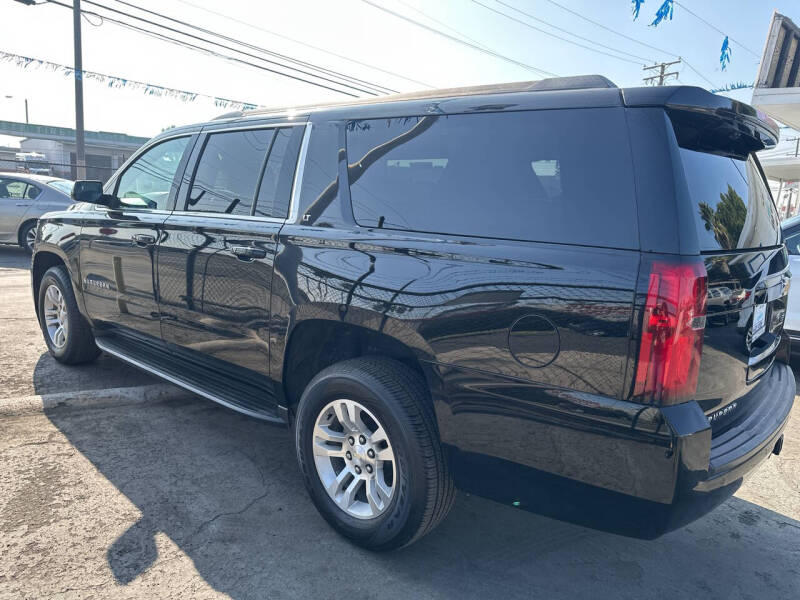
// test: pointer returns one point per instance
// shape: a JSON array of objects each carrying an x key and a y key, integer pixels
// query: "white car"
[
  {"x": 23, "y": 199},
  {"x": 791, "y": 237}
]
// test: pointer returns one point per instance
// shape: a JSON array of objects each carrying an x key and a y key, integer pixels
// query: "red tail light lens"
[{"x": 672, "y": 333}]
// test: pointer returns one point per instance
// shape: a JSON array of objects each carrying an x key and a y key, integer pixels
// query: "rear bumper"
[{"x": 691, "y": 473}]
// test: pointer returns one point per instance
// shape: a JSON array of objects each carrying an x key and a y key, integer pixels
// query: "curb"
[{"x": 23, "y": 405}]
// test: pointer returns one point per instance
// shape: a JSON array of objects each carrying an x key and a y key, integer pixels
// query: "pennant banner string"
[{"x": 112, "y": 81}]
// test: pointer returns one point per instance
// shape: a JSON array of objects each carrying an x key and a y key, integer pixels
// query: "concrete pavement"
[{"x": 180, "y": 498}]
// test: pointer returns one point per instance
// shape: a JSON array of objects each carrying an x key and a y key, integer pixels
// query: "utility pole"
[
  {"x": 26, "y": 111},
  {"x": 80, "y": 149},
  {"x": 662, "y": 75}
]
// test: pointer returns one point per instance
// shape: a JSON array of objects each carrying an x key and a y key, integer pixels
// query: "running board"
[{"x": 119, "y": 350}]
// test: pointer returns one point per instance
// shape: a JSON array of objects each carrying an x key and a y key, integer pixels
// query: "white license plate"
[{"x": 759, "y": 320}]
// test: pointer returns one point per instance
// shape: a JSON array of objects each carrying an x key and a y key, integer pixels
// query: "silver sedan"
[{"x": 23, "y": 199}]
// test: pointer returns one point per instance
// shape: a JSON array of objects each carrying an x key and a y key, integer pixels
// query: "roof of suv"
[{"x": 581, "y": 91}]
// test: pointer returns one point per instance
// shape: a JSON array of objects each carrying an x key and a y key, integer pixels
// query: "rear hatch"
[{"x": 739, "y": 237}]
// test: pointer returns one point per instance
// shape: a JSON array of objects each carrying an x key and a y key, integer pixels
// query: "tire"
[
  {"x": 77, "y": 345},
  {"x": 398, "y": 400},
  {"x": 25, "y": 236}
]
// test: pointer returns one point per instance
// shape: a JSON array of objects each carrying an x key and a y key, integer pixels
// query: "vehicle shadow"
[
  {"x": 226, "y": 490},
  {"x": 14, "y": 257}
]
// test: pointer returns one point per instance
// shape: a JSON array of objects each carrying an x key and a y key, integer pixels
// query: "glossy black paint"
[{"x": 528, "y": 348}]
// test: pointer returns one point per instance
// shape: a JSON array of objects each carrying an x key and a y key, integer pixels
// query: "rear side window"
[
  {"x": 246, "y": 172},
  {"x": 228, "y": 171},
  {"x": 561, "y": 176},
  {"x": 732, "y": 204}
]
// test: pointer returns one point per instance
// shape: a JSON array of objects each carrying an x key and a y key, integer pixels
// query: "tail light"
[{"x": 672, "y": 333}]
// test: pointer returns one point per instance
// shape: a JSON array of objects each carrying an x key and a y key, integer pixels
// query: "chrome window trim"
[
  {"x": 294, "y": 201},
  {"x": 210, "y": 130},
  {"x": 218, "y": 215}
]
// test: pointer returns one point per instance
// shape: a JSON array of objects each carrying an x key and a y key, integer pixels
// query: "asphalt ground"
[{"x": 175, "y": 497}]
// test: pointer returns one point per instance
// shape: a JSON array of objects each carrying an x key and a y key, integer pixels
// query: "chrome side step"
[{"x": 111, "y": 349}]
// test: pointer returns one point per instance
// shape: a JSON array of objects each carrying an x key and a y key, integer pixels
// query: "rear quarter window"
[
  {"x": 562, "y": 176},
  {"x": 731, "y": 202}
]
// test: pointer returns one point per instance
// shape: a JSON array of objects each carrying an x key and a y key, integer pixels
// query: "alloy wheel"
[
  {"x": 30, "y": 238},
  {"x": 55, "y": 315},
  {"x": 354, "y": 459}
]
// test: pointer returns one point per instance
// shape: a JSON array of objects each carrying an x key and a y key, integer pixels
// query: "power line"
[
  {"x": 379, "y": 88},
  {"x": 632, "y": 39},
  {"x": 305, "y": 44},
  {"x": 460, "y": 41},
  {"x": 443, "y": 24},
  {"x": 207, "y": 41},
  {"x": 717, "y": 29},
  {"x": 190, "y": 46},
  {"x": 558, "y": 37}
]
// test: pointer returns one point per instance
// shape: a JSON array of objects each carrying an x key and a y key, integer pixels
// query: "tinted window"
[
  {"x": 148, "y": 181},
  {"x": 276, "y": 183},
  {"x": 555, "y": 176},
  {"x": 732, "y": 203},
  {"x": 227, "y": 174}
]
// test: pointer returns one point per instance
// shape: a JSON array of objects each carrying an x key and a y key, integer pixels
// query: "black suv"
[{"x": 515, "y": 289}]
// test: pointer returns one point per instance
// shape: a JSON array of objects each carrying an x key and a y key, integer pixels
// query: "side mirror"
[{"x": 91, "y": 192}]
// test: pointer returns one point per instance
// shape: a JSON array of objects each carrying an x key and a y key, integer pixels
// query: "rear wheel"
[
  {"x": 27, "y": 236},
  {"x": 66, "y": 332},
  {"x": 370, "y": 454}
]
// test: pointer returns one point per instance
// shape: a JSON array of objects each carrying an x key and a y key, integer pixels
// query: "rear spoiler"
[{"x": 707, "y": 121}]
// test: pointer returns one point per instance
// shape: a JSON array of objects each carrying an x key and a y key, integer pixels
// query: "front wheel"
[
  {"x": 368, "y": 447},
  {"x": 66, "y": 332}
]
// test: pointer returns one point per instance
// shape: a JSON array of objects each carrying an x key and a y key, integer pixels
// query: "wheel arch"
[
  {"x": 43, "y": 260},
  {"x": 316, "y": 343}
]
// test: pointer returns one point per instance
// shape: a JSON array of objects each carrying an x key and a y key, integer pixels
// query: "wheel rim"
[
  {"x": 30, "y": 237},
  {"x": 354, "y": 459},
  {"x": 55, "y": 316}
]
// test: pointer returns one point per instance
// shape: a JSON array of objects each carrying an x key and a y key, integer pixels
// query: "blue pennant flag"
[
  {"x": 664, "y": 12},
  {"x": 725, "y": 53}
]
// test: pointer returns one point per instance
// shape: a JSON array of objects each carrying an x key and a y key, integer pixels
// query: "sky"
[{"x": 400, "y": 55}]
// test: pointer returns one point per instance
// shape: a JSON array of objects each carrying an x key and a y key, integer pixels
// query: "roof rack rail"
[{"x": 575, "y": 82}]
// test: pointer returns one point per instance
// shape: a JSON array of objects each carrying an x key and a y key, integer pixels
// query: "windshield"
[
  {"x": 731, "y": 201},
  {"x": 62, "y": 185}
]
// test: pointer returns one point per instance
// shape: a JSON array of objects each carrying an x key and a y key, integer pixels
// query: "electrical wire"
[
  {"x": 305, "y": 44},
  {"x": 717, "y": 29},
  {"x": 558, "y": 37},
  {"x": 632, "y": 39},
  {"x": 378, "y": 88},
  {"x": 213, "y": 43},
  {"x": 208, "y": 51},
  {"x": 438, "y": 32},
  {"x": 443, "y": 24}
]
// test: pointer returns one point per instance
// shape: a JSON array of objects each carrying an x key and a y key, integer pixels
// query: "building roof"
[{"x": 67, "y": 134}]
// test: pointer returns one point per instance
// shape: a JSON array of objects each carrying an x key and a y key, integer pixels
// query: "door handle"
[
  {"x": 248, "y": 252},
  {"x": 143, "y": 239},
  {"x": 22, "y": 204}
]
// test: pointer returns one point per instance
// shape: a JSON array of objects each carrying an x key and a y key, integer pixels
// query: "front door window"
[{"x": 148, "y": 181}]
